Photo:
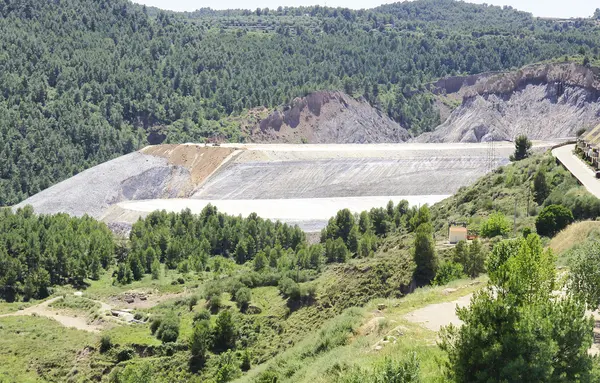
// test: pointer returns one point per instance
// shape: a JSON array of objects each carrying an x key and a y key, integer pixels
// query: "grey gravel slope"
[
  {"x": 344, "y": 178},
  {"x": 92, "y": 191},
  {"x": 544, "y": 102}
]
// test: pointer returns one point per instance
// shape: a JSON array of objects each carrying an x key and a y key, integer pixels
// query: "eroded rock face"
[
  {"x": 542, "y": 102},
  {"x": 328, "y": 117}
]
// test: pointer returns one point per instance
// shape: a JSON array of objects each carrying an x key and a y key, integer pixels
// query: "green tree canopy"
[
  {"x": 424, "y": 254},
  {"x": 541, "y": 189},
  {"x": 522, "y": 148},
  {"x": 516, "y": 329},
  {"x": 585, "y": 273},
  {"x": 552, "y": 219},
  {"x": 496, "y": 225}
]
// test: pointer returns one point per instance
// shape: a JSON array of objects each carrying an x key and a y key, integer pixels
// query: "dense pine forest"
[{"x": 85, "y": 81}]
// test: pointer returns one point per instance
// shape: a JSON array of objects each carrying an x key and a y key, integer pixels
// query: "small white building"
[{"x": 457, "y": 234}]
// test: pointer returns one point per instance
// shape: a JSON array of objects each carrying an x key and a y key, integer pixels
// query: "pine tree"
[
  {"x": 540, "y": 187},
  {"x": 424, "y": 255}
]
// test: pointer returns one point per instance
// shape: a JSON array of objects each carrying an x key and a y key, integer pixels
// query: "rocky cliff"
[
  {"x": 327, "y": 117},
  {"x": 541, "y": 101}
]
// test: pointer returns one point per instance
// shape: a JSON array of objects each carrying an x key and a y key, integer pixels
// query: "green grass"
[
  {"x": 75, "y": 304},
  {"x": 36, "y": 349},
  {"x": 104, "y": 287},
  {"x": 132, "y": 334},
  {"x": 347, "y": 345},
  {"x": 571, "y": 237},
  {"x": 11, "y": 307}
]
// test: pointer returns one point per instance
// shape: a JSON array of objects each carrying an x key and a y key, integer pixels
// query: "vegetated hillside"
[
  {"x": 540, "y": 101},
  {"x": 461, "y": 15},
  {"x": 327, "y": 118},
  {"x": 265, "y": 286},
  {"x": 85, "y": 81},
  {"x": 247, "y": 298},
  {"x": 574, "y": 235},
  {"x": 511, "y": 190}
]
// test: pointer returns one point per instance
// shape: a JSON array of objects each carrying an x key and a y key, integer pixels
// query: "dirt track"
[
  {"x": 438, "y": 315},
  {"x": 78, "y": 322}
]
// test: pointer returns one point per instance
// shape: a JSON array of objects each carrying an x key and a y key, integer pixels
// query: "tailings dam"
[{"x": 300, "y": 184}]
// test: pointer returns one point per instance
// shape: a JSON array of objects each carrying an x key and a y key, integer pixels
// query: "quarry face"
[{"x": 298, "y": 184}]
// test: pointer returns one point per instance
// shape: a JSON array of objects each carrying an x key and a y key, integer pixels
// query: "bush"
[
  {"x": 105, "y": 344},
  {"x": 213, "y": 296},
  {"x": 193, "y": 301},
  {"x": 124, "y": 354},
  {"x": 201, "y": 315},
  {"x": 268, "y": 376},
  {"x": 496, "y": 225},
  {"x": 199, "y": 343},
  {"x": 553, "y": 219},
  {"x": 155, "y": 269},
  {"x": 227, "y": 367},
  {"x": 246, "y": 363},
  {"x": 448, "y": 272},
  {"x": 390, "y": 371},
  {"x": 225, "y": 332},
  {"x": 168, "y": 330},
  {"x": 154, "y": 325},
  {"x": 289, "y": 288},
  {"x": 243, "y": 297},
  {"x": 522, "y": 148}
]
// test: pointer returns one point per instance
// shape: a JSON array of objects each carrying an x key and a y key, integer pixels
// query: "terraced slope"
[{"x": 300, "y": 184}]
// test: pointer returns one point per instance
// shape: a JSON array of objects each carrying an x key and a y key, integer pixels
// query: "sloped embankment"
[
  {"x": 540, "y": 101},
  {"x": 164, "y": 171}
]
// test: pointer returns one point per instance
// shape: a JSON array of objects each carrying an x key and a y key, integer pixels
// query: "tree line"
[{"x": 37, "y": 252}]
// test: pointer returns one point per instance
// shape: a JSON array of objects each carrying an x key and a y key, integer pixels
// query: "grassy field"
[{"x": 36, "y": 349}]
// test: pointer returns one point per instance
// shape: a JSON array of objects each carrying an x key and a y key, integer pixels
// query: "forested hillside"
[{"x": 84, "y": 81}]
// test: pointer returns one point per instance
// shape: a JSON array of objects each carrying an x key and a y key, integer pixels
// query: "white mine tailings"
[{"x": 300, "y": 184}]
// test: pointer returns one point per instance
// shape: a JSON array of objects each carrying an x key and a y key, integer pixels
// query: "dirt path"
[
  {"x": 438, "y": 315},
  {"x": 435, "y": 316},
  {"x": 78, "y": 322}
]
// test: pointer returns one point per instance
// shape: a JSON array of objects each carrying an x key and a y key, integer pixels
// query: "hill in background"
[{"x": 85, "y": 81}]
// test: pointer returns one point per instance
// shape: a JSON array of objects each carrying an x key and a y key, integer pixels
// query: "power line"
[{"x": 491, "y": 156}]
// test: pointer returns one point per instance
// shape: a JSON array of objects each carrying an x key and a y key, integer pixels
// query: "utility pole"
[
  {"x": 515, "y": 219},
  {"x": 528, "y": 197}
]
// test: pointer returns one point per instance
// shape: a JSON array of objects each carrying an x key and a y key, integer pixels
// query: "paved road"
[{"x": 578, "y": 168}]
